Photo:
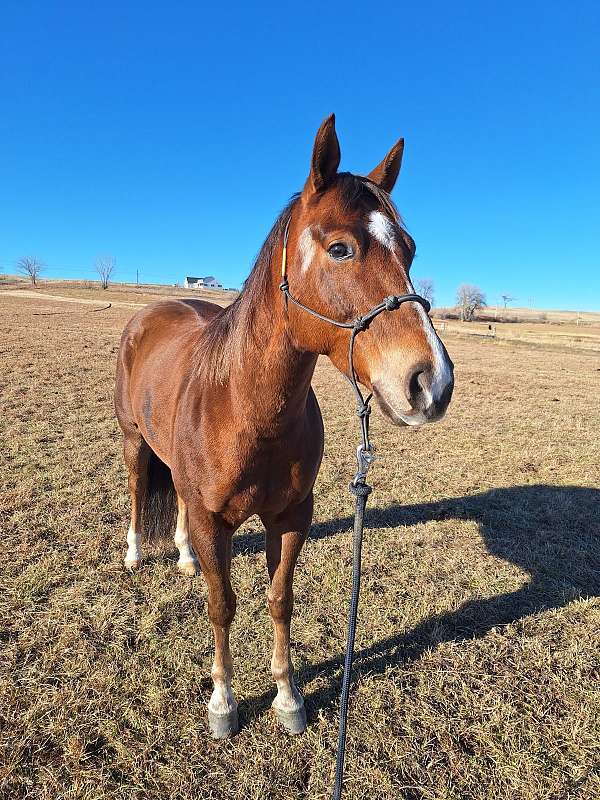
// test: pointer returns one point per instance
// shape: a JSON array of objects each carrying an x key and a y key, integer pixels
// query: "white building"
[{"x": 208, "y": 282}]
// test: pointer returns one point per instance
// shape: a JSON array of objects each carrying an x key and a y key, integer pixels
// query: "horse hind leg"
[
  {"x": 137, "y": 454},
  {"x": 187, "y": 564}
]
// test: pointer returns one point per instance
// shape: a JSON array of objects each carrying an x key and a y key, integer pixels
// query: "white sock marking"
[
  {"x": 222, "y": 700},
  {"x": 134, "y": 552},
  {"x": 182, "y": 539}
]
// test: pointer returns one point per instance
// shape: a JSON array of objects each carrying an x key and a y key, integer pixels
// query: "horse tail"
[{"x": 160, "y": 501}]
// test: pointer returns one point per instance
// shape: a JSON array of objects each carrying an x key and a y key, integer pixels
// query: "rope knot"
[
  {"x": 360, "y": 324},
  {"x": 284, "y": 285},
  {"x": 391, "y": 303},
  {"x": 360, "y": 489},
  {"x": 363, "y": 410}
]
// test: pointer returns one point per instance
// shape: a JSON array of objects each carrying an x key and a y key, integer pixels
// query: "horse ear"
[
  {"x": 325, "y": 156},
  {"x": 386, "y": 173}
]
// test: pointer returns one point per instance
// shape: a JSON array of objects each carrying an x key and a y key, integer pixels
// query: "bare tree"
[
  {"x": 31, "y": 267},
  {"x": 507, "y": 298},
  {"x": 105, "y": 266},
  {"x": 425, "y": 288},
  {"x": 469, "y": 299}
]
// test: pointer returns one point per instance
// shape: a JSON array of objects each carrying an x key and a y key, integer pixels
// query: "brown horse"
[{"x": 216, "y": 405}]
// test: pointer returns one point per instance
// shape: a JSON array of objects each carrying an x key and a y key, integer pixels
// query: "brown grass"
[
  {"x": 493, "y": 313},
  {"x": 557, "y": 335},
  {"x": 478, "y": 634},
  {"x": 116, "y": 292}
]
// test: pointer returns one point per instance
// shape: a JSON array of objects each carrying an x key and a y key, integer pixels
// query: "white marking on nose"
[
  {"x": 384, "y": 231},
  {"x": 306, "y": 249},
  {"x": 382, "y": 228},
  {"x": 442, "y": 374}
]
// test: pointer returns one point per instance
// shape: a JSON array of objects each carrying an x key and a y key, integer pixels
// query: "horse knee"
[
  {"x": 281, "y": 605},
  {"x": 221, "y": 610}
]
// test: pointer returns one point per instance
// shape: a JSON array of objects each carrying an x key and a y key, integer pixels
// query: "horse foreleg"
[
  {"x": 212, "y": 546},
  {"x": 285, "y": 536}
]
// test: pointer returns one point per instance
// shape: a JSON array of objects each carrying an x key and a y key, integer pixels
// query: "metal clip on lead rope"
[{"x": 365, "y": 458}]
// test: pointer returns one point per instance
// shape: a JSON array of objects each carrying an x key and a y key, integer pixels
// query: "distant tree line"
[
  {"x": 469, "y": 298},
  {"x": 32, "y": 268}
]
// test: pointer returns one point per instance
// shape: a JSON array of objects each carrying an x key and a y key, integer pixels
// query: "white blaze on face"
[
  {"x": 306, "y": 249},
  {"x": 383, "y": 230}
]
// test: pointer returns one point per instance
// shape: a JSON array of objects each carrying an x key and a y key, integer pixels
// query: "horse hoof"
[
  {"x": 222, "y": 726},
  {"x": 189, "y": 568},
  {"x": 294, "y": 722},
  {"x": 133, "y": 564}
]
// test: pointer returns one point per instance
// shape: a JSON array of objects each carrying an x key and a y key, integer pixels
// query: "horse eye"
[{"x": 340, "y": 251}]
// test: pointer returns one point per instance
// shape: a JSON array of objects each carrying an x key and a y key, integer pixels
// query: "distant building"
[{"x": 208, "y": 282}]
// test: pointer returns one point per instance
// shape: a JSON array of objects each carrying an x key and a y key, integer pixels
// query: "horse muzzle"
[{"x": 423, "y": 396}]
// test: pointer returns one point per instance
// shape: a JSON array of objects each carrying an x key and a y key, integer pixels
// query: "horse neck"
[{"x": 274, "y": 375}]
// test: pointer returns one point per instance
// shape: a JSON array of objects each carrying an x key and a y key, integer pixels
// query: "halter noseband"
[{"x": 365, "y": 451}]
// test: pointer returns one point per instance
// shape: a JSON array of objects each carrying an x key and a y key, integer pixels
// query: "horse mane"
[{"x": 228, "y": 335}]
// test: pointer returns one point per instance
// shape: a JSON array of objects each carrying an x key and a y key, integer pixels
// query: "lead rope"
[{"x": 359, "y": 488}]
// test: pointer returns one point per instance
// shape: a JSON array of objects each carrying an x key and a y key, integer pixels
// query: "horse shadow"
[{"x": 551, "y": 532}]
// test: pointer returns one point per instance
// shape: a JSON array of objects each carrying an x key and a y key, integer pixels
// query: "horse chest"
[{"x": 246, "y": 477}]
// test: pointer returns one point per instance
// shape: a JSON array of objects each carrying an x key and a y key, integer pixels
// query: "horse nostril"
[{"x": 417, "y": 386}]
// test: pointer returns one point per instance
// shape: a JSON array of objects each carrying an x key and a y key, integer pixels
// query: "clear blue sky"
[{"x": 170, "y": 136}]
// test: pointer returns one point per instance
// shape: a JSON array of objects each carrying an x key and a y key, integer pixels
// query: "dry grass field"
[
  {"x": 556, "y": 335},
  {"x": 478, "y": 647},
  {"x": 116, "y": 293}
]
